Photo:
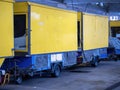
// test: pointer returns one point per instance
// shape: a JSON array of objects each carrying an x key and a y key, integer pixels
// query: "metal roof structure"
[
  {"x": 109, "y": 6},
  {"x": 92, "y": 6}
]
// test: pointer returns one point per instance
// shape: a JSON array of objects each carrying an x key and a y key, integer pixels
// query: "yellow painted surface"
[
  {"x": 53, "y": 30},
  {"x": 20, "y": 7},
  {"x": 79, "y": 16},
  {"x": 1, "y": 61},
  {"x": 95, "y": 31},
  {"x": 102, "y": 31},
  {"x": 6, "y": 29},
  {"x": 8, "y": 0},
  {"x": 115, "y": 23}
]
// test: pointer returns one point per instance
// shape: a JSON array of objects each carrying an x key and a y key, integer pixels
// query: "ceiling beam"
[
  {"x": 61, "y": 1},
  {"x": 90, "y": 1}
]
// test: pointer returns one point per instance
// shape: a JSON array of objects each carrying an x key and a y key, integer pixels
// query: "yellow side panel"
[
  {"x": 20, "y": 7},
  {"x": 79, "y": 15},
  {"x": 89, "y": 28},
  {"x": 53, "y": 30},
  {"x": 1, "y": 61},
  {"x": 102, "y": 31},
  {"x": 114, "y": 23},
  {"x": 95, "y": 31},
  {"x": 8, "y": 0},
  {"x": 6, "y": 29}
]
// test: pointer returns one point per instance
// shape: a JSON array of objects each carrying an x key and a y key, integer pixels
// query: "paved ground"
[{"x": 104, "y": 77}]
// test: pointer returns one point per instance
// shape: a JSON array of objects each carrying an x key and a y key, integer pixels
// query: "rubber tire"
[
  {"x": 56, "y": 71},
  {"x": 95, "y": 63},
  {"x": 31, "y": 74},
  {"x": 19, "y": 80}
]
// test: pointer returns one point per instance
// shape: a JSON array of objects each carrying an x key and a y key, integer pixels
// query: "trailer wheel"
[
  {"x": 95, "y": 62},
  {"x": 19, "y": 80},
  {"x": 56, "y": 71},
  {"x": 31, "y": 74}
]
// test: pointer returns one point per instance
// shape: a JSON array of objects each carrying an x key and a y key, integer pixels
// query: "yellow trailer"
[
  {"x": 6, "y": 32},
  {"x": 45, "y": 38},
  {"x": 49, "y": 38},
  {"x": 44, "y": 29},
  {"x": 93, "y": 35}
]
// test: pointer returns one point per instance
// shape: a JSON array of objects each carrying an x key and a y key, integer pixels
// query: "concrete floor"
[{"x": 104, "y": 77}]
